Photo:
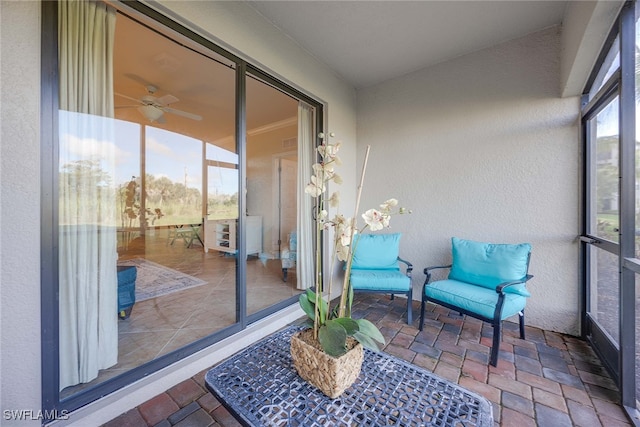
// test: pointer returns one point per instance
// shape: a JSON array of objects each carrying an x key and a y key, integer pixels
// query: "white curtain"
[
  {"x": 88, "y": 324},
  {"x": 306, "y": 225}
]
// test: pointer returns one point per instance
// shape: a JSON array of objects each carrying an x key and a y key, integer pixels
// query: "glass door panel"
[
  {"x": 604, "y": 295},
  {"x": 603, "y": 252},
  {"x": 132, "y": 203},
  {"x": 272, "y": 159},
  {"x": 606, "y": 189}
]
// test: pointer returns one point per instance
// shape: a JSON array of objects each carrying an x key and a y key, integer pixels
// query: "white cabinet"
[
  {"x": 254, "y": 235},
  {"x": 221, "y": 235}
]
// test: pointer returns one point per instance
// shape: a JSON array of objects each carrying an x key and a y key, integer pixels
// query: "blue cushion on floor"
[
  {"x": 473, "y": 298},
  {"x": 382, "y": 280},
  {"x": 488, "y": 264},
  {"x": 378, "y": 251}
]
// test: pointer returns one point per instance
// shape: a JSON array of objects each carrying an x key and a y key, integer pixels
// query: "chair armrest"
[
  {"x": 500, "y": 287},
  {"x": 427, "y": 271},
  {"x": 409, "y": 265}
]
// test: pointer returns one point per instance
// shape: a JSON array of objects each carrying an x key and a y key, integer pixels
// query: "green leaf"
[
  {"x": 350, "y": 325},
  {"x": 366, "y": 341},
  {"x": 333, "y": 338},
  {"x": 369, "y": 329},
  {"x": 324, "y": 307},
  {"x": 311, "y": 296},
  {"x": 307, "y": 306}
]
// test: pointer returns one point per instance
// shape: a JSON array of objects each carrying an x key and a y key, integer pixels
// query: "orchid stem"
[{"x": 347, "y": 273}]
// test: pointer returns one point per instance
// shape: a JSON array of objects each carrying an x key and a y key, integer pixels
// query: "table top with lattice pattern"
[{"x": 260, "y": 387}]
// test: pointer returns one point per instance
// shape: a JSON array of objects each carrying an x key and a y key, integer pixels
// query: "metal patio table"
[{"x": 260, "y": 387}]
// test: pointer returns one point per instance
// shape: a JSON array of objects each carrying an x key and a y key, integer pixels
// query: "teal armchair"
[
  {"x": 486, "y": 281},
  {"x": 376, "y": 267},
  {"x": 289, "y": 255}
]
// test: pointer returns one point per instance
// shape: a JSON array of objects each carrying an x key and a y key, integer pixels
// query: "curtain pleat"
[
  {"x": 88, "y": 319},
  {"x": 305, "y": 226}
]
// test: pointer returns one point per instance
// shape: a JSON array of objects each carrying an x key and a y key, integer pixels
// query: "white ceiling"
[{"x": 368, "y": 42}]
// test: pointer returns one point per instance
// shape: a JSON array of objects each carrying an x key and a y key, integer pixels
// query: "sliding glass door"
[
  {"x": 177, "y": 174},
  {"x": 603, "y": 250},
  {"x": 610, "y": 238}
]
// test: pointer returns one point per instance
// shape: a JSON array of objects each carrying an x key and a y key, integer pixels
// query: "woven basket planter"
[{"x": 329, "y": 374}]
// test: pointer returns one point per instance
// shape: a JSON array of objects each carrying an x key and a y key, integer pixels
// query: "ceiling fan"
[{"x": 153, "y": 108}]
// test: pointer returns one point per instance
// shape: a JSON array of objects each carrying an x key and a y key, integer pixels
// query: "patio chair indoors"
[
  {"x": 289, "y": 255},
  {"x": 486, "y": 281},
  {"x": 376, "y": 268}
]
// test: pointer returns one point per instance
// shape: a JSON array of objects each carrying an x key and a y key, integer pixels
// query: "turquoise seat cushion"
[
  {"x": 476, "y": 299},
  {"x": 489, "y": 264},
  {"x": 380, "y": 280},
  {"x": 376, "y": 251}
]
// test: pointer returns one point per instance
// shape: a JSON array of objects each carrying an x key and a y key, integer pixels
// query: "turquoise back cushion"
[
  {"x": 293, "y": 242},
  {"x": 376, "y": 251},
  {"x": 488, "y": 264}
]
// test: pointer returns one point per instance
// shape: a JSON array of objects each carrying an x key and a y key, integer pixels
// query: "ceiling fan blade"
[
  {"x": 182, "y": 113},
  {"x": 136, "y": 78},
  {"x": 129, "y": 98},
  {"x": 166, "y": 100}
]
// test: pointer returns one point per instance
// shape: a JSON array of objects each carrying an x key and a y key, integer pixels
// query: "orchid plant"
[{"x": 332, "y": 326}]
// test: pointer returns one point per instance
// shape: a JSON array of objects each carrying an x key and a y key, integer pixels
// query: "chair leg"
[
  {"x": 409, "y": 308},
  {"x": 521, "y": 316},
  {"x": 422, "y": 305},
  {"x": 284, "y": 274},
  {"x": 496, "y": 343}
]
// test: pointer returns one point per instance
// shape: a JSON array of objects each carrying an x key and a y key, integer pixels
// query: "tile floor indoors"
[
  {"x": 547, "y": 380},
  {"x": 160, "y": 325}
]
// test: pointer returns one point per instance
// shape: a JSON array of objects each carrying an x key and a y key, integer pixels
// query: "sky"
[{"x": 115, "y": 144}]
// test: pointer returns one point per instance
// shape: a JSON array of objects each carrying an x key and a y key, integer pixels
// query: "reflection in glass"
[
  {"x": 133, "y": 194},
  {"x": 606, "y": 197},
  {"x": 173, "y": 184},
  {"x": 149, "y": 175},
  {"x": 222, "y": 183},
  {"x": 272, "y": 160},
  {"x": 605, "y": 291}
]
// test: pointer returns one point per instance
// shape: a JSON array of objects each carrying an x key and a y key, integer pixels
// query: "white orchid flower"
[
  {"x": 376, "y": 220},
  {"x": 315, "y": 188},
  {"x": 329, "y": 151},
  {"x": 334, "y": 200},
  {"x": 342, "y": 252},
  {"x": 389, "y": 205}
]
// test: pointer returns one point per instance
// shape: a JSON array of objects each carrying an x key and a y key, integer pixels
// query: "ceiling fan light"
[{"x": 151, "y": 112}]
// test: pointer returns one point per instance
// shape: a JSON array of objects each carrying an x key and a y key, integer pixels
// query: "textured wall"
[
  {"x": 482, "y": 147},
  {"x": 20, "y": 209}
]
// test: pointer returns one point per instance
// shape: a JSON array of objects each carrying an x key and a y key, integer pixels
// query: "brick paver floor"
[{"x": 547, "y": 380}]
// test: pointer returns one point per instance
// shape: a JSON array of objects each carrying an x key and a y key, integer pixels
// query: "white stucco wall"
[
  {"x": 19, "y": 208},
  {"x": 482, "y": 147}
]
